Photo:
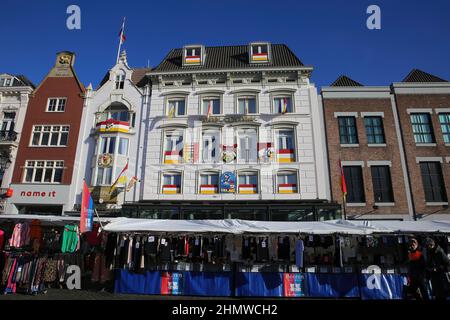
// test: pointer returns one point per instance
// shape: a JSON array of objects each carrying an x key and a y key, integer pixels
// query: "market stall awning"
[
  {"x": 48, "y": 220},
  {"x": 232, "y": 226},
  {"x": 423, "y": 226}
]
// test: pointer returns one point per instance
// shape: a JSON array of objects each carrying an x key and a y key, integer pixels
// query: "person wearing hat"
[
  {"x": 437, "y": 266},
  {"x": 416, "y": 271}
]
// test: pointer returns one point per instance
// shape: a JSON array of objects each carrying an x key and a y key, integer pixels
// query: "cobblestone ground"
[{"x": 64, "y": 294}]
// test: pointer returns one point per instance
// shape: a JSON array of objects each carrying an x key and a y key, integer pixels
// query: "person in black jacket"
[
  {"x": 416, "y": 271},
  {"x": 437, "y": 265}
]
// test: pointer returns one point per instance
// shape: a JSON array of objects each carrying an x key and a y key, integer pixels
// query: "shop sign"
[
  {"x": 227, "y": 182},
  {"x": 39, "y": 194}
]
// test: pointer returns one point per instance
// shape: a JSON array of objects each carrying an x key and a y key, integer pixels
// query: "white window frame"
[
  {"x": 238, "y": 149},
  {"x": 172, "y": 99},
  {"x": 287, "y": 172},
  {"x": 165, "y": 133},
  {"x": 208, "y": 173},
  {"x": 51, "y": 133},
  {"x": 103, "y": 183},
  {"x": 58, "y": 99},
  {"x": 119, "y": 80},
  {"x": 211, "y": 97},
  {"x": 280, "y": 96},
  {"x": 172, "y": 174},
  {"x": 217, "y": 134},
  {"x": 248, "y": 173},
  {"x": 8, "y": 121},
  {"x": 294, "y": 140},
  {"x": 33, "y": 164},
  {"x": 247, "y": 96}
]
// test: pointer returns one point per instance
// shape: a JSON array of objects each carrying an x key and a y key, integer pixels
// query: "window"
[
  {"x": 247, "y": 105},
  {"x": 171, "y": 183},
  {"x": 56, "y": 105},
  {"x": 108, "y": 145},
  {"x": 176, "y": 108},
  {"x": 433, "y": 182},
  {"x": 120, "y": 80},
  {"x": 247, "y": 145},
  {"x": 104, "y": 176},
  {"x": 287, "y": 182},
  {"x": 8, "y": 121},
  {"x": 259, "y": 52},
  {"x": 6, "y": 82},
  {"x": 283, "y": 105},
  {"x": 347, "y": 130},
  {"x": 54, "y": 136},
  {"x": 422, "y": 128},
  {"x": 123, "y": 146},
  {"x": 173, "y": 147},
  {"x": 355, "y": 186},
  {"x": 40, "y": 171},
  {"x": 382, "y": 184},
  {"x": 210, "y": 146},
  {"x": 285, "y": 145},
  {"x": 444, "y": 119},
  {"x": 211, "y": 106},
  {"x": 117, "y": 112},
  {"x": 374, "y": 130},
  {"x": 248, "y": 183},
  {"x": 209, "y": 183},
  {"x": 192, "y": 55}
]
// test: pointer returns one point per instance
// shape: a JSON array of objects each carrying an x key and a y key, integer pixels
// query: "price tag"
[
  {"x": 400, "y": 239},
  {"x": 391, "y": 271},
  {"x": 263, "y": 244},
  {"x": 311, "y": 269},
  {"x": 137, "y": 245},
  {"x": 280, "y": 240},
  {"x": 151, "y": 239},
  {"x": 197, "y": 242},
  {"x": 311, "y": 238},
  {"x": 448, "y": 239},
  {"x": 163, "y": 241}
]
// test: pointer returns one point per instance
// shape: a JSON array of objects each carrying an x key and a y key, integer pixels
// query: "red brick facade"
[{"x": 363, "y": 152}]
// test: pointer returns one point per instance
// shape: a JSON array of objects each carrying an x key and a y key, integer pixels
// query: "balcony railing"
[{"x": 8, "y": 136}]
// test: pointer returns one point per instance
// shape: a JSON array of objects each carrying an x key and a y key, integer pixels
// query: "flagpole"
[
  {"x": 343, "y": 206},
  {"x": 120, "y": 40}
]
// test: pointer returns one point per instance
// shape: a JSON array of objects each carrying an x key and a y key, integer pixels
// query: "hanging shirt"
[
  {"x": 2, "y": 239},
  {"x": 299, "y": 248},
  {"x": 262, "y": 250},
  {"x": 94, "y": 237},
  {"x": 70, "y": 238},
  {"x": 35, "y": 230}
]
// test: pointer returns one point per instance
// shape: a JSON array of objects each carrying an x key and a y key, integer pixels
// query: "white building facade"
[
  {"x": 14, "y": 97},
  {"x": 110, "y": 138},
  {"x": 234, "y": 132}
]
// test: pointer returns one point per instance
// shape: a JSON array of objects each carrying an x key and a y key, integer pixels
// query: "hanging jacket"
[{"x": 70, "y": 239}]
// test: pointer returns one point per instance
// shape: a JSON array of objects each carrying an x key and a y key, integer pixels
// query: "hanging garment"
[
  {"x": 20, "y": 236},
  {"x": 70, "y": 238},
  {"x": 246, "y": 252},
  {"x": 262, "y": 251},
  {"x": 110, "y": 249},
  {"x": 164, "y": 250},
  {"x": 2, "y": 239},
  {"x": 35, "y": 230},
  {"x": 299, "y": 248},
  {"x": 94, "y": 237}
]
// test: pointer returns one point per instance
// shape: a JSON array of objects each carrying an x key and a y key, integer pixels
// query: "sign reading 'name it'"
[{"x": 42, "y": 194}]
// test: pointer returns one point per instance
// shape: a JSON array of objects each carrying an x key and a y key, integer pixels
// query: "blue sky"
[{"x": 330, "y": 35}]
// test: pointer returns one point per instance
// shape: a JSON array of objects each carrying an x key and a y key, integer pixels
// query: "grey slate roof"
[
  {"x": 229, "y": 57},
  {"x": 417, "y": 75},
  {"x": 344, "y": 81}
]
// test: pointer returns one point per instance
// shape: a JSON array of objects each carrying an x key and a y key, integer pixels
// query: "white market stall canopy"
[
  {"x": 236, "y": 226},
  {"x": 48, "y": 220}
]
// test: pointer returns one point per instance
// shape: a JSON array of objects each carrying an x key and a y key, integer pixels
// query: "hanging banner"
[
  {"x": 228, "y": 182},
  {"x": 172, "y": 283},
  {"x": 293, "y": 285}
]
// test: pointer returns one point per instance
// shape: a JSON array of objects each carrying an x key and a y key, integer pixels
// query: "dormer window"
[
  {"x": 6, "y": 82},
  {"x": 193, "y": 55},
  {"x": 120, "y": 80},
  {"x": 260, "y": 52}
]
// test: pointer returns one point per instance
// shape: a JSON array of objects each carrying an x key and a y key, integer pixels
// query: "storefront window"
[
  {"x": 159, "y": 213},
  {"x": 258, "y": 214},
  {"x": 293, "y": 214},
  {"x": 200, "y": 213},
  {"x": 329, "y": 214}
]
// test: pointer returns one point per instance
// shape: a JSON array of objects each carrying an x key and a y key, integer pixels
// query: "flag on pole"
[
  {"x": 119, "y": 179},
  {"x": 122, "y": 32},
  {"x": 284, "y": 106},
  {"x": 131, "y": 183},
  {"x": 87, "y": 210},
  {"x": 209, "y": 112},
  {"x": 343, "y": 182}
]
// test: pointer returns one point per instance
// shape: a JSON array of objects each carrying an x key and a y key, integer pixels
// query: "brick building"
[
  {"x": 393, "y": 143},
  {"x": 46, "y": 160}
]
